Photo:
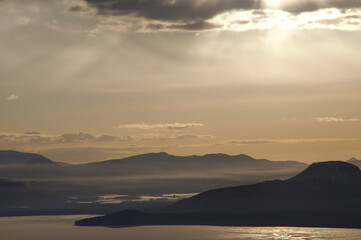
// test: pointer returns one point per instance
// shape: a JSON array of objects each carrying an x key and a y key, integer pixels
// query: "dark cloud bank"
[{"x": 193, "y": 14}]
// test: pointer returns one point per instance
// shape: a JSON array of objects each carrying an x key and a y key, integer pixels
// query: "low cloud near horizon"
[
  {"x": 34, "y": 137},
  {"x": 335, "y": 119},
  {"x": 12, "y": 97},
  {"x": 296, "y": 140},
  {"x": 161, "y": 126}
]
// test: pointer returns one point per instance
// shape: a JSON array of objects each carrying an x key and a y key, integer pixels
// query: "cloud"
[
  {"x": 34, "y": 137},
  {"x": 161, "y": 126},
  {"x": 334, "y": 119},
  {"x": 195, "y": 26},
  {"x": 77, "y": 137},
  {"x": 291, "y": 140},
  {"x": 12, "y": 97},
  {"x": 193, "y": 11},
  {"x": 191, "y": 15},
  {"x": 32, "y": 133},
  {"x": 169, "y": 10},
  {"x": 25, "y": 138},
  {"x": 253, "y": 141},
  {"x": 298, "y": 6},
  {"x": 173, "y": 137},
  {"x": 23, "y": 21},
  {"x": 330, "y": 18}
]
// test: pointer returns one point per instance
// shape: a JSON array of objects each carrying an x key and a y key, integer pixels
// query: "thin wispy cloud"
[
  {"x": 173, "y": 137},
  {"x": 32, "y": 133},
  {"x": 335, "y": 119},
  {"x": 286, "y": 141},
  {"x": 34, "y": 137},
  {"x": 23, "y": 21},
  {"x": 12, "y": 97},
  {"x": 251, "y": 141},
  {"x": 161, "y": 126}
]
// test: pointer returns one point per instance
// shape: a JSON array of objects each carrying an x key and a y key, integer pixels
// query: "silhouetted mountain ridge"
[
  {"x": 308, "y": 190},
  {"x": 336, "y": 171},
  {"x": 163, "y": 162},
  {"x": 15, "y": 158}
]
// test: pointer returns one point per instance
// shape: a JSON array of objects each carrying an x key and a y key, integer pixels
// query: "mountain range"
[
  {"x": 149, "y": 164},
  {"x": 160, "y": 172}
]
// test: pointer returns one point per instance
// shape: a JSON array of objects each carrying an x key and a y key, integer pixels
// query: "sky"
[{"x": 90, "y": 80}]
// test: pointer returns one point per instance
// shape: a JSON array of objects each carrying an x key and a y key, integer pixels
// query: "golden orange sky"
[{"x": 82, "y": 81}]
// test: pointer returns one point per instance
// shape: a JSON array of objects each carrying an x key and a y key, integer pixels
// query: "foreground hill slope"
[
  {"x": 326, "y": 194},
  {"x": 326, "y": 186}
]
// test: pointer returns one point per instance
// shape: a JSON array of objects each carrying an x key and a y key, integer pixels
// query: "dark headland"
[{"x": 326, "y": 194}]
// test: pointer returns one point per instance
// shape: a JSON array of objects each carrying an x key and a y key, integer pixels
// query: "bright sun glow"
[
  {"x": 331, "y": 18},
  {"x": 272, "y": 3}
]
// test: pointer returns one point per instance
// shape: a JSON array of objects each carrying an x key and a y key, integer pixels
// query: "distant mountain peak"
[
  {"x": 163, "y": 154},
  {"x": 245, "y": 156},
  {"x": 216, "y": 155},
  {"x": 159, "y": 154},
  {"x": 223, "y": 155},
  {"x": 336, "y": 171},
  {"x": 352, "y": 159}
]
